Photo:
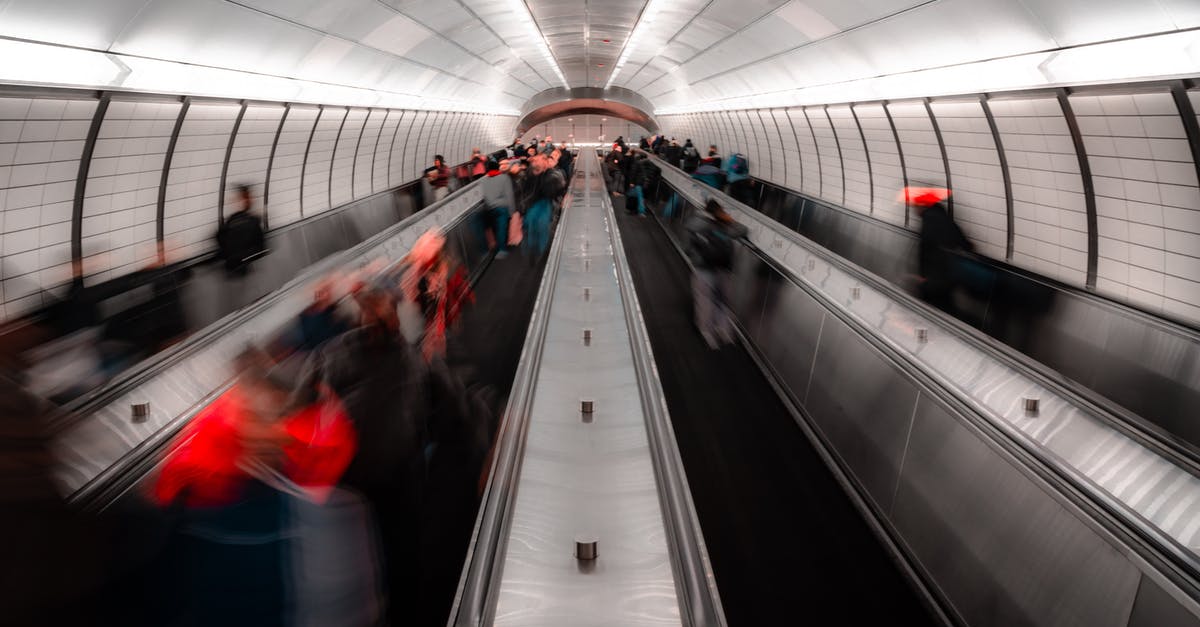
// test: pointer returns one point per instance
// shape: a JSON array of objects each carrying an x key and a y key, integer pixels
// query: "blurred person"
[
  {"x": 940, "y": 238},
  {"x": 689, "y": 157},
  {"x": 641, "y": 175},
  {"x": 440, "y": 182},
  {"x": 711, "y": 241},
  {"x": 478, "y": 164},
  {"x": 321, "y": 320},
  {"x": 426, "y": 186},
  {"x": 710, "y": 175},
  {"x": 240, "y": 239},
  {"x": 612, "y": 170},
  {"x": 548, "y": 145},
  {"x": 673, "y": 153},
  {"x": 396, "y": 401},
  {"x": 55, "y": 558},
  {"x": 713, "y": 158},
  {"x": 543, "y": 185},
  {"x": 566, "y": 163},
  {"x": 643, "y": 143},
  {"x": 254, "y": 484},
  {"x": 439, "y": 287},
  {"x": 500, "y": 200},
  {"x": 737, "y": 176}
]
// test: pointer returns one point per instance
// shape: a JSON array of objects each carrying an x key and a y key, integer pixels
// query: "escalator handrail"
[
  {"x": 695, "y": 581},
  {"x": 1176, "y": 561},
  {"x": 1113, "y": 414}
]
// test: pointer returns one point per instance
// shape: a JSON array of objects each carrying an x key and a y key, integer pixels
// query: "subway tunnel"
[{"x": 580, "y": 312}]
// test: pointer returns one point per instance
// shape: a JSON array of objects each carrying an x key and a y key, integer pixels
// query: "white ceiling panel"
[{"x": 501, "y": 53}]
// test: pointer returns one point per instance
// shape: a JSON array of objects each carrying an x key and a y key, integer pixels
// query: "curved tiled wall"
[
  {"x": 1095, "y": 187},
  {"x": 156, "y": 168}
]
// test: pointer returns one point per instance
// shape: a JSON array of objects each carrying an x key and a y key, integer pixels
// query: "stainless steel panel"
[
  {"x": 791, "y": 326},
  {"x": 1153, "y": 607},
  {"x": 863, "y": 406},
  {"x": 594, "y": 478},
  {"x": 1002, "y": 549}
]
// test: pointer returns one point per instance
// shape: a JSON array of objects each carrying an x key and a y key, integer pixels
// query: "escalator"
[
  {"x": 787, "y": 544},
  {"x": 483, "y": 351}
]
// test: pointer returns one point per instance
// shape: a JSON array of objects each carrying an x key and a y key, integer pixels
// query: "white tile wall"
[
  {"x": 341, "y": 181},
  {"x": 752, "y": 135},
  {"x": 389, "y": 162},
  {"x": 829, "y": 154},
  {"x": 190, "y": 217},
  {"x": 793, "y": 176},
  {"x": 1049, "y": 211},
  {"x": 364, "y": 183},
  {"x": 888, "y": 178},
  {"x": 415, "y": 159},
  {"x": 40, "y": 145},
  {"x": 922, "y": 154},
  {"x": 854, "y": 159},
  {"x": 810, "y": 162},
  {"x": 980, "y": 207},
  {"x": 252, "y": 151},
  {"x": 730, "y": 138},
  {"x": 775, "y": 149},
  {"x": 320, "y": 156},
  {"x": 120, "y": 207},
  {"x": 283, "y": 205},
  {"x": 1145, "y": 187}
]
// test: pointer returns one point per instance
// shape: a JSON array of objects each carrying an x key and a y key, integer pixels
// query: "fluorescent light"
[
  {"x": 27, "y": 63},
  {"x": 640, "y": 30},
  {"x": 1145, "y": 58},
  {"x": 526, "y": 18}
]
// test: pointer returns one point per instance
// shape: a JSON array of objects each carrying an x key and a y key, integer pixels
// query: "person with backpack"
[
  {"x": 440, "y": 182},
  {"x": 543, "y": 184},
  {"x": 711, "y": 241},
  {"x": 240, "y": 239},
  {"x": 690, "y": 157},
  {"x": 640, "y": 179},
  {"x": 737, "y": 175},
  {"x": 713, "y": 158},
  {"x": 673, "y": 153}
]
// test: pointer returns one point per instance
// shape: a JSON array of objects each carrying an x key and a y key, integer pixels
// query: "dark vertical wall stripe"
[
  {"x": 764, "y": 147},
  {"x": 1008, "y": 194},
  {"x": 85, "y": 165},
  {"x": 837, "y": 143},
  {"x": 867, "y": 156},
  {"x": 1190, "y": 126},
  {"x": 937, "y": 131},
  {"x": 333, "y": 157},
  {"x": 1089, "y": 190},
  {"x": 354, "y": 157},
  {"x": 782, "y": 152},
  {"x": 816, "y": 148},
  {"x": 392, "y": 148},
  {"x": 799, "y": 153},
  {"x": 266, "y": 215},
  {"x": 237, "y": 124},
  {"x": 166, "y": 170},
  {"x": 900, "y": 152},
  {"x": 307, "y": 148}
]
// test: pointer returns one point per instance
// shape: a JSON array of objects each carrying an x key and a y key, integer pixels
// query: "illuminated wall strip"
[
  {"x": 640, "y": 32},
  {"x": 29, "y": 63}
]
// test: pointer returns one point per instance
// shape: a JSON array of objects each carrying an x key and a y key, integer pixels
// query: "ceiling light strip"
[
  {"x": 524, "y": 15},
  {"x": 32, "y": 63},
  {"x": 645, "y": 21}
]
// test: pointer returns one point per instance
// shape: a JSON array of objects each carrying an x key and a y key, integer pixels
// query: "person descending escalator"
[
  {"x": 673, "y": 153},
  {"x": 711, "y": 242},
  {"x": 543, "y": 185},
  {"x": 397, "y": 402},
  {"x": 439, "y": 288},
  {"x": 441, "y": 181}
]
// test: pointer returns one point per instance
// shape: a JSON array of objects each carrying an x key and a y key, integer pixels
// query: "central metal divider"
[{"x": 587, "y": 518}]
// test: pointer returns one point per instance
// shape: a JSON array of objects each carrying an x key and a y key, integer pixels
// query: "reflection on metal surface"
[{"x": 1005, "y": 541}]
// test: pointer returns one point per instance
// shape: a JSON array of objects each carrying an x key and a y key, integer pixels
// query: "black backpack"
[
  {"x": 715, "y": 248},
  {"x": 691, "y": 157},
  {"x": 240, "y": 240}
]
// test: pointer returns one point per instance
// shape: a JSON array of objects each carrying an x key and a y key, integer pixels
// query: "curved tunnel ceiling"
[
  {"x": 615, "y": 102},
  {"x": 500, "y": 54}
]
